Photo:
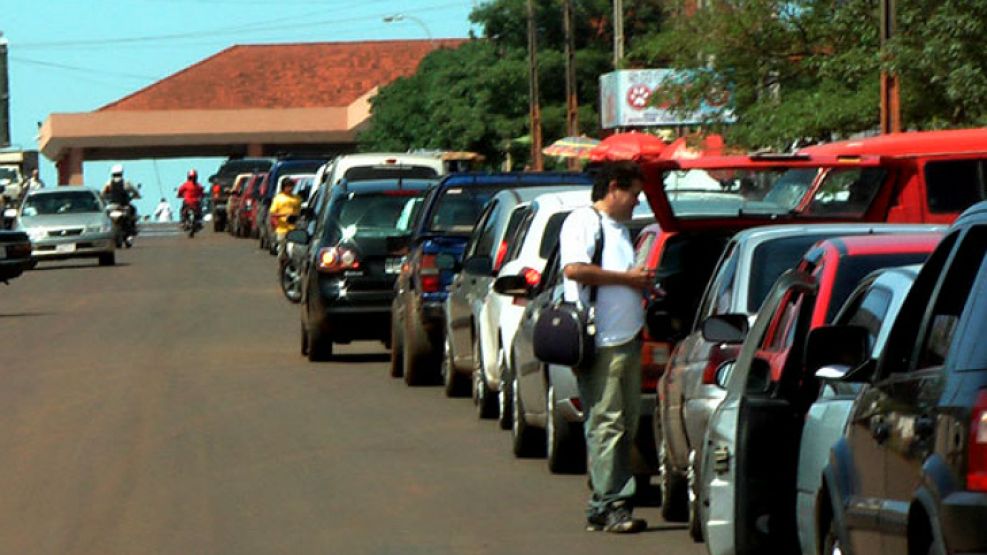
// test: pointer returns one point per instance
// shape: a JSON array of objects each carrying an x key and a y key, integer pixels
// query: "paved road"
[{"x": 161, "y": 406}]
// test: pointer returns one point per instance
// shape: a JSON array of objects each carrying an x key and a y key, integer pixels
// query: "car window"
[
  {"x": 458, "y": 208},
  {"x": 769, "y": 260},
  {"x": 482, "y": 241},
  {"x": 719, "y": 293},
  {"x": 509, "y": 235},
  {"x": 368, "y": 214},
  {"x": 781, "y": 331},
  {"x": 389, "y": 171},
  {"x": 949, "y": 303},
  {"x": 645, "y": 242},
  {"x": 846, "y": 192},
  {"x": 970, "y": 348},
  {"x": 953, "y": 186},
  {"x": 868, "y": 311},
  {"x": 550, "y": 237},
  {"x": 852, "y": 269},
  {"x": 73, "y": 202}
]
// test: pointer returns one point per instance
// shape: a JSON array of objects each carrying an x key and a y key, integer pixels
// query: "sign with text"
[{"x": 626, "y": 101}]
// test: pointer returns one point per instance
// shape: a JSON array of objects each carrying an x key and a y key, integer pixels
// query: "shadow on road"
[
  {"x": 92, "y": 266},
  {"x": 364, "y": 358},
  {"x": 25, "y": 315},
  {"x": 666, "y": 527}
]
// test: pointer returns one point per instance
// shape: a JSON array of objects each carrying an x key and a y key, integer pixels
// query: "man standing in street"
[
  {"x": 284, "y": 205},
  {"x": 163, "y": 212},
  {"x": 610, "y": 388},
  {"x": 32, "y": 183}
]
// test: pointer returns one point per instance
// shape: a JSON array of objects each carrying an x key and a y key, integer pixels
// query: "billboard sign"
[{"x": 625, "y": 101}]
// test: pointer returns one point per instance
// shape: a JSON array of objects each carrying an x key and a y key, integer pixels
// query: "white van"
[{"x": 378, "y": 165}]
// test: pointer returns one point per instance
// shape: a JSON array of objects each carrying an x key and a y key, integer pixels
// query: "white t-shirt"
[{"x": 619, "y": 312}]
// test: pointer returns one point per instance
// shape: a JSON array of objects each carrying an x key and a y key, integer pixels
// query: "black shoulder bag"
[{"x": 565, "y": 332}]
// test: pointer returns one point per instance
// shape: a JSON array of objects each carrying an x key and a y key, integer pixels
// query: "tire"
[
  {"x": 692, "y": 493},
  {"x": 526, "y": 441},
  {"x": 565, "y": 448},
  {"x": 453, "y": 382},
  {"x": 291, "y": 282},
  {"x": 421, "y": 365},
  {"x": 108, "y": 259},
  {"x": 504, "y": 401},
  {"x": 397, "y": 350},
  {"x": 486, "y": 402},
  {"x": 319, "y": 346},
  {"x": 674, "y": 495}
]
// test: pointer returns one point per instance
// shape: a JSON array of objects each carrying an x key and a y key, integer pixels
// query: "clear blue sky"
[{"x": 77, "y": 55}]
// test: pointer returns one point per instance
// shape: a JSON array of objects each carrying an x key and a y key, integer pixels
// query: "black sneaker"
[
  {"x": 596, "y": 523},
  {"x": 620, "y": 521}
]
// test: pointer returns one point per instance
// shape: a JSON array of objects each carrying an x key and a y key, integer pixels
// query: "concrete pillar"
[
  {"x": 255, "y": 150},
  {"x": 70, "y": 167}
]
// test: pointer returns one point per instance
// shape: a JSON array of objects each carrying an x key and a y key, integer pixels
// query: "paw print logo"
[{"x": 638, "y": 96}]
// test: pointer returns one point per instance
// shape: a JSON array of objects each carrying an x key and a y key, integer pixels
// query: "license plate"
[
  {"x": 65, "y": 248},
  {"x": 393, "y": 265}
]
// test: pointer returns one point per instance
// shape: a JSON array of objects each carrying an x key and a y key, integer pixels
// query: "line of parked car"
[{"x": 809, "y": 386}]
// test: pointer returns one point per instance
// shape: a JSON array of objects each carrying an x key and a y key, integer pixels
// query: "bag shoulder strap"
[{"x": 597, "y": 255}]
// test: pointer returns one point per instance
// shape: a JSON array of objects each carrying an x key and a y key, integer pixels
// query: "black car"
[
  {"x": 351, "y": 261},
  {"x": 221, "y": 183},
  {"x": 15, "y": 254},
  {"x": 909, "y": 474},
  {"x": 449, "y": 213}
]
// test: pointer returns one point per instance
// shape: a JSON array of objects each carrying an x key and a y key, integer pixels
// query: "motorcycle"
[
  {"x": 191, "y": 221},
  {"x": 124, "y": 224}
]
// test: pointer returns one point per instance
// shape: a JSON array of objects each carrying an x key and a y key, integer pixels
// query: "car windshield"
[
  {"x": 733, "y": 192},
  {"x": 457, "y": 210},
  {"x": 73, "y": 202},
  {"x": 389, "y": 171},
  {"x": 8, "y": 175},
  {"x": 379, "y": 214}
]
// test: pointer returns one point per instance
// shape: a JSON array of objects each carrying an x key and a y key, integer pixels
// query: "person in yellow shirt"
[{"x": 284, "y": 205}]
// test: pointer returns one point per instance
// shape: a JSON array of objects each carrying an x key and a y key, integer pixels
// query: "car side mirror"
[
  {"x": 297, "y": 236},
  {"x": 832, "y": 346},
  {"x": 512, "y": 286},
  {"x": 723, "y": 372},
  {"x": 726, "y": 328},
  {"x": 446, "y": 261},
  {"x": 480, "y": 265}
]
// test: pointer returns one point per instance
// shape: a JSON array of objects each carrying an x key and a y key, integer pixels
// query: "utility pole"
[
  {"x": 533, "y": 102},
  {"x": 571, "y": 95},
  {"x": 618, "y": 33},
  {"x": 890, "y": 87},
  {"x": 4, "y": 95}
]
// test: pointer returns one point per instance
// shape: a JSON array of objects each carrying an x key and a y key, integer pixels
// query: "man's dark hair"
[{"x": 623, "y": 173}]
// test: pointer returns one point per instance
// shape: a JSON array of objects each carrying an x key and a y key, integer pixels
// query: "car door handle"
[{"x": 880, "y": 430}]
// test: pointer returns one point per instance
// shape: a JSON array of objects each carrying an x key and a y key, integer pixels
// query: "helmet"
[
  {"x": 117, "y": 169},
  {"x": 192, "y": 174}
]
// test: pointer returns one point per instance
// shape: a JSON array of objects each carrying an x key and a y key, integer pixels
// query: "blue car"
[{"x": 444, "y": 225}]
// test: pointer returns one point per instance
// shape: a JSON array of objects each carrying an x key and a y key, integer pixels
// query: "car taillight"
[
  {"x": 429, "y": 274},
  {"x": 337, "y": 259},
  {"x": 718, "y": 354},
  {"x": 976, "y": 470},
  {"x": 216, "y": 189},
  {"x": 531, "y": 276},
  {"x": 501, "y": 252}
]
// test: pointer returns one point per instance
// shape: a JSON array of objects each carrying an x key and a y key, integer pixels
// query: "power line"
[
  {"x": 78, "y": 68},
  {"x": 264, "y": 26}
]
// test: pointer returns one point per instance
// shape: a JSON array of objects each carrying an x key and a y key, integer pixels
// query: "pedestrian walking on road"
[
  {"x": 284, "y": 205},
  {"x": 163, "y": 211},
  {"x": 609, "y": 388}
]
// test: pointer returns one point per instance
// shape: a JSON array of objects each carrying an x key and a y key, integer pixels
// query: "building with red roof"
[{"x": 250, "y": 100}]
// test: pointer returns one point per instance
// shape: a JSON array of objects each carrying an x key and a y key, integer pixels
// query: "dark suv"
[
  {"x": 221, "y": 184},
  {"x": 910, "y": 473},
  {"x": 351, "y": 261},
  {"x": 449, "y": 213},
  {"x": 15, "y": 254}
]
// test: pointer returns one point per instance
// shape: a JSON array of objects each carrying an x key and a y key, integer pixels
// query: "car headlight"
[{"x": 36, "y": 233}]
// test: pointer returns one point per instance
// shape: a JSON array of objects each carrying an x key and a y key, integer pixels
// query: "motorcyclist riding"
[
  {"x": 120, "y": 192},
  {"x": 191, "y": 194}
]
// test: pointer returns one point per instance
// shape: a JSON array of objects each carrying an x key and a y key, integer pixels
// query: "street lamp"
[{"x": 398, "y": 17}]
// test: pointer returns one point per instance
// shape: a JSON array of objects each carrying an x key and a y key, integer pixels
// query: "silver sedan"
[{"x": 67, "y": 222}]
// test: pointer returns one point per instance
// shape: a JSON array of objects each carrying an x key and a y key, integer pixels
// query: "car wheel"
[
  {"x": 692, "y": 490},
  {"x": 107, "y": 259},
  {"x": 674, "y": 497},
  {"x": 564, "y": 447},
  {"x": 420, "y": 364},
  {"x": 319, "y": 346},
  {"x": 486, "y": 402},
  {"x": 397, "y": 350},
  {"x": 291, "y": 280},
  {"x": 525, "y": 440},
  {"x": 504, "y": 402},
  {"x": 453, "y": 383}
]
